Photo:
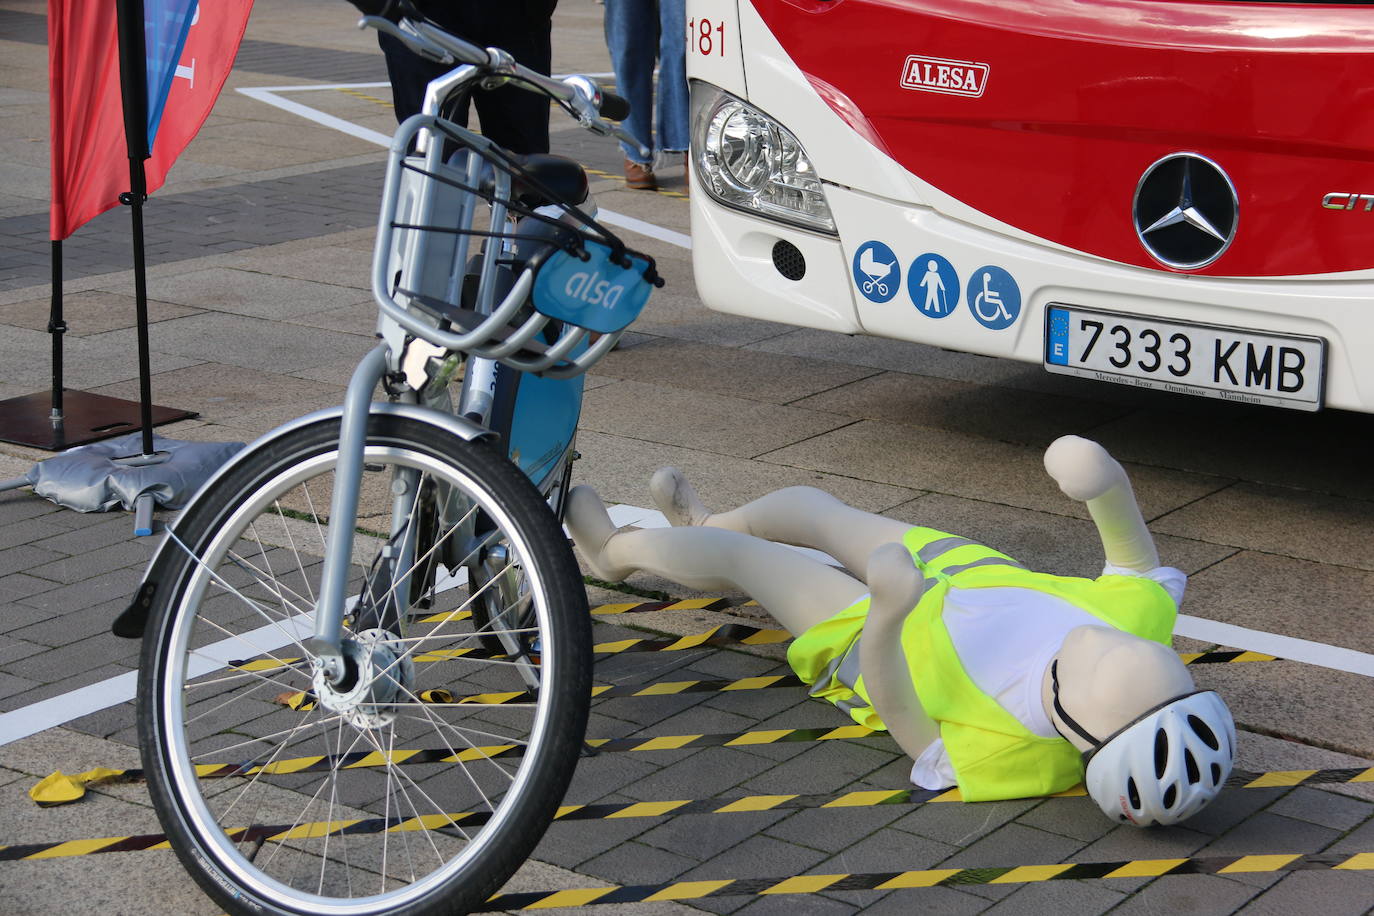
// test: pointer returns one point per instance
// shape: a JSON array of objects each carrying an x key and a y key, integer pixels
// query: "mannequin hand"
[
  {"x": 1085, "y": 472},
  {"x": 1082, "y": 468}
]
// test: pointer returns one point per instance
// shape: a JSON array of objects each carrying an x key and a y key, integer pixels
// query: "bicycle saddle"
[{"x": 559, "y": 174}]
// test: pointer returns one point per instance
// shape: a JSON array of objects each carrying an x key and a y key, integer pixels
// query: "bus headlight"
[{"x": 747, "y": 160}]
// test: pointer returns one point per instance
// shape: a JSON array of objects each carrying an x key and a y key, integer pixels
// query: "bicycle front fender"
[{"x": 132, "y": 621}]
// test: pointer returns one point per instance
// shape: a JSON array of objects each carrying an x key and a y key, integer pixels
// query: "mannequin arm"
[
  {"x": 896, "y": 586},
  {"x": 1085, "y": 472}
]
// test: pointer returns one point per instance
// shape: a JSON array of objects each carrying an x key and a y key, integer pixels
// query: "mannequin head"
[
  {"x": 1157, "y": 749},
  {"x": 1107, "y": 679}
]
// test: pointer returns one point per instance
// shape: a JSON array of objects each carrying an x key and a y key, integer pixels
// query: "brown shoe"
[
  {"x": 686, "y": 172},
  {"x": 640, "y": 176}
]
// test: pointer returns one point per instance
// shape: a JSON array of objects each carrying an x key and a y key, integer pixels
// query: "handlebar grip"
[{"x": 614, "y": 107}]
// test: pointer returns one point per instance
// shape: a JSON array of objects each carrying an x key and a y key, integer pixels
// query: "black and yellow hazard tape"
[
  {"x": 730, "y": 634},
  {"x": 304, "y": 700},
  {"x": 601, "y": 610},
  {"x": 932, "y": 877},
  {"x": 869, "y": 798}
]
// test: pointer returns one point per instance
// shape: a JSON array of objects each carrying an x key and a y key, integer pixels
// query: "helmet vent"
[
  {"x": 1206, "y": 734},
  {"x": 1170, "y": 794},
  {"x": 1161, "y": 753},
  {"x": 1216, "y": 775},
  {"x": 1132, "y": 793},
  {"x": 1193, "y": 773}
]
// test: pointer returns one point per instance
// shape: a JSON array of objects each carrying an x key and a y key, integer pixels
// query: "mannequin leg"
[
  {"x": 799, "y": 592},
  {"x": 803, "y": 516}
]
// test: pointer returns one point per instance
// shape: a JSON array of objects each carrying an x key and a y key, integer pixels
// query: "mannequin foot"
[
  {"x": 591, "y": 529},
  {"x": 676, "y": 499}
]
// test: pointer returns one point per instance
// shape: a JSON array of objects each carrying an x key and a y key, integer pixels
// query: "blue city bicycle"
[{"x": 366, "y": 658}]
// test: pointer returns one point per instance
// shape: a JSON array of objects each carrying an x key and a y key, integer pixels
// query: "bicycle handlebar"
[{"x": 589, "y": 102}]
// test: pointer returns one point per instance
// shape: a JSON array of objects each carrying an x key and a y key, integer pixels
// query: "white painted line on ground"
[
  {"x": 319, "y": 117},
  {"x": 644, "y": 228},
  {"x": 1289, "y": 647},
  {"x": 45, "y": 714},
  {"x": 269, "y": 94}
]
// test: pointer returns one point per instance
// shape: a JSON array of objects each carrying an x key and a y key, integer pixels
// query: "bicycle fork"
[{"x": 327, "y": 643}]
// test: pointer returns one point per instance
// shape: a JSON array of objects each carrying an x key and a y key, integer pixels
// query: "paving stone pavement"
[{"x": 258, "y": 253}]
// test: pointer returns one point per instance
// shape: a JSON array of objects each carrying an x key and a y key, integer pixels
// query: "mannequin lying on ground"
[{"x": 999, "y": 679}]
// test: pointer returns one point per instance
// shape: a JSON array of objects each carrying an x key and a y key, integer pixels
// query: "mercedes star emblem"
[{"x": 1185, "y": 211}]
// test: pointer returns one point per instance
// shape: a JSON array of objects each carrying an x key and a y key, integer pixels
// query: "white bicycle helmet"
[{"x": 1165, "y": 766}]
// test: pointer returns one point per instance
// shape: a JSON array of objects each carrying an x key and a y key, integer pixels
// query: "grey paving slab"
[
  {"x": 120, "y": 555},
  {"x": 756, "y": 857},
  {"x": 21, "y": 585},
  {"x": 88, "y": 312},
  {"x": 1303, "y": 702},
  {"x": 77, "y": 658},
  {"x": 1325, "y": 809},
  {"x": 1271, "y": 833},
  {"x": 1081, "y": 898},
  {"x": 12, "y": 648},
  {"x": 25, "y": 557},
  {"x": 703, "y": 836},
  {"x": 1202, "y": 895},
  {"x": 959, "y": 464},
  {"x": 1331, "y": 893},
  {"x": 713, "y": 772},
  {"x": 257, "y": 398},
  {"x": 729, "y": 371},
  {"x": 1281, "y": 521},
  {"x": 637, "y": 863},
  {"x": 245, "y": 292},
  {"x": 54, "y": 630},
  {"x": 942, "y": 900},
  {"x": 87, "y": 592},
  {"x": 788, "y": 904},
  {"x": 715, "y": 423},
  {"x": 827, "y": 767},
  {"x": 1028, "y": 417},
  {"x": 252, "y": 343},
  {"x": 1328, "y": 601},
  {"x": 620, "y": 466},
  {"x": 1265, "y": 446}
]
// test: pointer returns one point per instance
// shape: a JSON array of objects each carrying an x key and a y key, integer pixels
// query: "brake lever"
[
  {"x": 422, "y": 46},
  {"x": 586, "y": 104}
]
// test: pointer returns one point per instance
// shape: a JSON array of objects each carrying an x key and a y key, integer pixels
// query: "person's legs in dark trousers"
[{"x": 511, "y": 116}]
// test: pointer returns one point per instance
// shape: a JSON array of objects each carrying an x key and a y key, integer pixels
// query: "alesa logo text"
[{"x": 951, "y": 77}]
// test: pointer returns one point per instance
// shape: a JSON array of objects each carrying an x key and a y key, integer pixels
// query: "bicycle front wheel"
[{"x": 420, "y": 782}]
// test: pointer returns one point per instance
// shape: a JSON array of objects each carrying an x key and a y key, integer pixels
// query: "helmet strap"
[{"x": 1064, "y": 716}]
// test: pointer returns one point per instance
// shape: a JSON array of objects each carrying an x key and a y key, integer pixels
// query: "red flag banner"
[{"x": 90, "y": 163}]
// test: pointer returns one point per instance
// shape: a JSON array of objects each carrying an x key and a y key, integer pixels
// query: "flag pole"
[{"x": 133, "y": 79}]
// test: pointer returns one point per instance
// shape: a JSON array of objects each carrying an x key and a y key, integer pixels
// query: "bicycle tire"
[{"x": 219, "y": 589}]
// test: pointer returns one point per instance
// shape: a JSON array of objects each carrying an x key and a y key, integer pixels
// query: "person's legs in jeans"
[
  {"x": 673, "y": 128},
  {"x": 631, "y": 37}
]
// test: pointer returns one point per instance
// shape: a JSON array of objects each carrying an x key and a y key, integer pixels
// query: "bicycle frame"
[{"x": 434, "y": 266}]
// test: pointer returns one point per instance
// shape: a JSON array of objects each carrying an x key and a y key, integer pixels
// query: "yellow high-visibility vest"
[{"x": 993, "y": 755}]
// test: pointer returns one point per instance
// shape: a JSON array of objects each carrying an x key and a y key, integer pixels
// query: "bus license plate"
[{"x": 1236, "y": 364}]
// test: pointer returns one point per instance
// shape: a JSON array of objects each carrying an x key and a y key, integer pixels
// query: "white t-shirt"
[{"x": 1006, "y": 638}]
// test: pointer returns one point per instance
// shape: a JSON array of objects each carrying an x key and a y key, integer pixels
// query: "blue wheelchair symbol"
[
  {"x": 934, "y": 285},
  {"x": 876, "y": 272},
  {"x": 994, "y": 298}
]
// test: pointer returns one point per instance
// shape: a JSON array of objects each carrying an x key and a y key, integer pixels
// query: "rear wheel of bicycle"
[{"x": 420, "y": 782}]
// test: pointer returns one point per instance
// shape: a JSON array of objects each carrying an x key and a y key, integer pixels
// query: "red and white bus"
[{"x": 1170, "y": 193}]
